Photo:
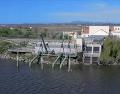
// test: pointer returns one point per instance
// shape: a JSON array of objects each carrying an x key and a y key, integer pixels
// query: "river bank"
[
  {"x": 8, "y": 57},
  {"x": 3, "y": 56}
]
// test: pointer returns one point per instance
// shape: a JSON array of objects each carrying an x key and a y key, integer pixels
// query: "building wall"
[
  {"x": 117, "y": 34},
  {"x": 95, "y": 30},
  {"x": 85, "y": 30},
  {"x": 79, "y": 44},
  {"x": 89, "y": 54},
  {"x": 84, "y": 35},
  {"x": 99, "y": 30},
  {"x": 111, "y": 28},
  {"x": 116, "y": 28},
  {"x": 115, "y": 31}
]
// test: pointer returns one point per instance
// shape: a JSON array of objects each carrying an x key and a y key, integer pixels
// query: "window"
[
  {"x": 95, "y": 60},
  {"x": 88, "y": 49},
  {"x": 96, "y": 49},
  {"x": 87, "y": 59}
]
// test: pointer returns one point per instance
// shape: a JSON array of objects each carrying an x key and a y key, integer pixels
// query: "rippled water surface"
[{"x": 82, "y": 80}]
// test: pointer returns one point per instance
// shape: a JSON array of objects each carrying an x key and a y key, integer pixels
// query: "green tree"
[{"x": 111, "y": 51}]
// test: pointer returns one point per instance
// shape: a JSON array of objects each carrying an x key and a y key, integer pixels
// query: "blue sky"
[{"x": 58, "y": 11}]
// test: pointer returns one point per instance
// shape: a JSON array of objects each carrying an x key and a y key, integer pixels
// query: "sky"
[{"x": 59, "y": 11}]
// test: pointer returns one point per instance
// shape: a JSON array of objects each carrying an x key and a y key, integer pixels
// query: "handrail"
[
  {"x": 55, "y": 61},
  {"x": 63, "y": 62},
  {"x": 32, "y": 61}
]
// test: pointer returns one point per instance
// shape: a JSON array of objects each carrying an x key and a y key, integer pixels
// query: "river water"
[{"x": 81, "y": 80}]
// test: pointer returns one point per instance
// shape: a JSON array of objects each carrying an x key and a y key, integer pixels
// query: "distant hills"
[
  {"x": 69, "y": 23},
  {"x": 94, "y": 23}
]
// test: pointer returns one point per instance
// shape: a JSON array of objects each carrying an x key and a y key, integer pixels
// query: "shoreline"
[{"x": 3, "y": 56}]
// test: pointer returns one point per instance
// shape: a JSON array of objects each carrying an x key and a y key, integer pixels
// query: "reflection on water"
[{"x": 82, "y": 80}]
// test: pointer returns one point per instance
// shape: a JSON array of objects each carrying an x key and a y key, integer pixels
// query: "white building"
[
  {"x": 94, "y": 31},
  {"x": 91, "y": 53},
  {"x": 100, "y": 31},
  {"x": 115, "y": 31}
]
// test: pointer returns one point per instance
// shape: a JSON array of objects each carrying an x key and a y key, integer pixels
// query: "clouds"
[
  {"x": 97, "y": 14},
  {"x": 110, "y": 15},
  {"x": 92, "y": 11}
]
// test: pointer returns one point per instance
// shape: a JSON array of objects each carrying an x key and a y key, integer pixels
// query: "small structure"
[
  {"x": 64, "y": 51},
  {"x": 91, "y": 53},
  {"x": 92, "y": 49}
]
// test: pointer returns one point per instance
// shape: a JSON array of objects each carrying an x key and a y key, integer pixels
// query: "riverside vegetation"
[
  {"x": 5, "y": 45},
  {"x": 110, "y": 51},
  {"x": 29, "y": 33}
]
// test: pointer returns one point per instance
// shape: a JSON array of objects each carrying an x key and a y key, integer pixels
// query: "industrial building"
[{"x": 100, "y": 31}]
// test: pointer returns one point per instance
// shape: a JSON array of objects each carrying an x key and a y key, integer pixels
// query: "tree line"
[
  {"x": 31, "y": 33},
  {"x": 15, "y": 33}
]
